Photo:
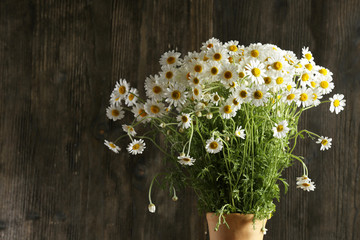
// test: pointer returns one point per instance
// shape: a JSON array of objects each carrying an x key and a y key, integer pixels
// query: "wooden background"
[{"x": 59, "y": 61}]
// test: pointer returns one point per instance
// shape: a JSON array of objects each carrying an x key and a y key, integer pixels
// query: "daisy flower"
[
  {"x": 323, "y": 71},
  {"x": 129, "y": 129},
  {"x": 184, "y": 120},
  {"x": 195, "y": 79},
  {"x": 305, "y": 79},
  {"x": 269, "y": 82},
  {"x": 306, "y": 186},
  {"x": 254, "y": 51},
  {"x": 232, "y": 47},
  {"x": 278, "y": 64},
  {"x": 325, "y": 143},
  {"x": 139, "y": 113},
  {"x": 115, "y": 98},
  {"x": 210, "y": 43},
  {"x": 240, "y": 132},
  {"x": 112, "y": 146},
  {"x": 176, "y": 95},
  {"x": 326, "y": 85},
  {"x": 122, "y": 88},
  {"x": 259, "y": 96},
  {"x": 234, "y": 101},
  {"x": 281, "y": 129},
  {"x": 115, "y": 112},
  {"x": 197, "y": 93},
  {"x": 304, "y": 99},
  {"x": 213, "y": 68},
  {"x": 168, "y": 73},
  {"x": 214, "y": 145},
  {"x": 217, "y": 53},
  {"x": 154, "y": 89},
  {"x": 154, "y": 108},
  {"x": 170, "y": 58},
  {"x": 255, "y": 70},
  {"x": 316, "y": 96},
  {"x": 136, "y": 147},
  {"x": 197, "y": 66},
  {"x": 215, "y": 98},
  {"x": 302, "y": 179},
  {"x": 337, "y": 103},
  {"x": 242, "y": 94},
  {"x": 307, "y": 54},
  {"x": 291, "y": 96},
  {"x": 132, "y": 97},
  {"x": 186, "y": 160},
  {"x": 227, "y": 110}
]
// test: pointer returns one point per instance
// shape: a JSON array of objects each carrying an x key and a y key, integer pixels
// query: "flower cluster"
[{"x": 233, "y": 104}]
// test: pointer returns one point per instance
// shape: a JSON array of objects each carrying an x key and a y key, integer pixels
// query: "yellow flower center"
[
  {"x": 136, "y": 146},
  {"x": 232, "y": 84},
  {"x": 256, "y": 72},
  {"x": 336, "y": 103},
  {"x": 279, "y": 80},
  {"x": 214, "y": 70},
  {"x": 122, "y": 90},
  {"x": 267, "y": 80},
  {"x": 213, "y": 145},
  {"x": 176, "y": 95},
  {"x": 241, "y": 74},
  {"x": 217, "y": 57},
  {"x": 324, "y": 84},
  {"x": 303, "y": 97},
  {"x": 309, "y": 66},
  {"x": 308, "y": 56},
  {"x": 216, "y": 98},
  {"x": 169, "y": 75},
  {"x": 196, "y": 81},
  {"x": 196, "y": 91},
  {"x": 305, "y": 77},
  {"x": 314, "y": 96},
  {"x": 254, "y": 53},
  {"x": 228, "y": 75},
  {"x": 323, "y": 71},
  {"x": 157, "y": 89},
  {"x": 210, "y": 45},
  {"x": 258, "y": 94},
  {"x": 154, "y": 109},
  {"x": 115, "y": 112},
  {"x": 235, "y": 102},
  {"x": 291, "y": 96},
  {"x": 142, "y": 113},
  {"x": 186, "y": 159},
  {"x": 198, "y": 68},
  {"x": 313, "y": 84},
  {"x": 280, "y": 128},
  {"x": 233, "y": 48},
  {"x": 298, "y": 65},
  {"x": 324, "y": 142},
  {"x": 243, "y": 94},
  {"x": 277, "y": 65},
  {"x": 131, "y": 96},
  {"x": 184, "y": 119},
  {"x": 112, "y": 145},
  {"x": 305, "y": 184},
  {"x": 231, "y": 60},
  {"x": 227, "y": 109},
  {"x": 170, "y": 60},
  {"x": 288, "y": 87}
]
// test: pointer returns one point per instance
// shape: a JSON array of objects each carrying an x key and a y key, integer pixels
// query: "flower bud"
[
  {"x": 152, "y": 208},
  {"x": 162, "y": 125},
  {"x": 209, "y": 115},
  {"x": 198, "y": 114},
  {"x": 181, "y": 130},
  {"x": 174, "y": 198}
]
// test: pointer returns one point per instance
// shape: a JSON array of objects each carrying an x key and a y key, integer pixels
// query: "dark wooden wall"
[{"x": 59, "y": 61}]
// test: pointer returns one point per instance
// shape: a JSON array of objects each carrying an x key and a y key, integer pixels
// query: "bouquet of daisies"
[{"x": 229, "y": 116}]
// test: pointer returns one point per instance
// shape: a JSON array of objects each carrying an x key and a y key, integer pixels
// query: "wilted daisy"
[
  {"x": 240, "y": 132},
  {"x": 337, "y": 103},
  {"x": 214, "y": 145},
  {"x": 122, "y": 87},
  {"x": 136, "y": 147},
  {"x": 184, "y": 120},
  {"x": 129, "y": 129},
  {"x": 115, "y": 112},
  {"x": 281, "y": 129},
  {"x": 154, "y": 108},
  {"x": 306, "y": 186},
  {"x": 325, "y": 143},
  {"x": 112, "y": 146},
  {"x": 170, "y": 58},
  {"x": 186, "y": 160}
]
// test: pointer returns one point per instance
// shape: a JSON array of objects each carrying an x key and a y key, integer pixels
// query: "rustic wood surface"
[{"x": 59, "y": 61}]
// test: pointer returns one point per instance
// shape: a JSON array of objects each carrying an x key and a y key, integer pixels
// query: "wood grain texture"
[{"x": 59, "y": 61}]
